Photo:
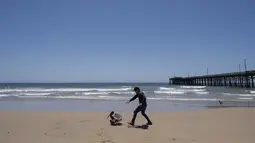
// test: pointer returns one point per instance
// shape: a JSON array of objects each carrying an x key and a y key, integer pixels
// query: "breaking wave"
[
  {"x": 101, "y": 97},
  {"x": 107, "y": 93},
  {"x": 94, "y": 93},
  {"x": 35, "y": 94},
  {"x": 245, "y": 98},
  {"x": 253, "y": 92},
  {"x": 247, "y": 95},
  {"x": 166, "y": 90},
  {"x": 3, "y": 95},
  {"x": 169, "y": 92},
  {"x": 235, "y": 94},
  {"x": 64, "y": 90},
  {"x": 203, "y": 93},
  {"x": 162, "y": 92},
  {"x": 193, "y": 87},
  {"x": 185, "y": 99}
]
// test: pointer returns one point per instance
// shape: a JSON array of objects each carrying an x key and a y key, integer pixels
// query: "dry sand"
[{"x": 233, "y": 125}]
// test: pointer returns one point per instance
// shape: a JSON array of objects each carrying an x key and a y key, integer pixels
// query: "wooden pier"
[{"x": 236, "y": 79}]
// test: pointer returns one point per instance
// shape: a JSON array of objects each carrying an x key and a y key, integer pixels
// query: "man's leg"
[
  {"x": 138, "y": 109},
  {"x": 146, "y": 117}
]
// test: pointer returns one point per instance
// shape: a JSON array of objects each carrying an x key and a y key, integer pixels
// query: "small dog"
[{"x": 115, "y": 119}]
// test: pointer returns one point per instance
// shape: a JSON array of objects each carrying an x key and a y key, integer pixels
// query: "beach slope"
[{"x": 232, "y": 125}]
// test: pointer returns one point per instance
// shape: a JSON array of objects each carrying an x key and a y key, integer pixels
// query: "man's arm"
[{"x": 133, "y": 98}]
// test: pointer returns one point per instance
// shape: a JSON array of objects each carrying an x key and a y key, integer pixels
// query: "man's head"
[{"x": 137, "y": 90}]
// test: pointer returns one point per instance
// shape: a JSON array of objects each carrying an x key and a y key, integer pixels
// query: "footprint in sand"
[
  {"x": 174, "y": 140},
  {"x": 104, "y": 138},
  {"x": 58, "y": 123},
  {"x": 82, "y": 121}
]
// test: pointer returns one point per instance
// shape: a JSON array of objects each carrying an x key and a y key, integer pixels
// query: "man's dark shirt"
[{"x": 142, "y": 98}]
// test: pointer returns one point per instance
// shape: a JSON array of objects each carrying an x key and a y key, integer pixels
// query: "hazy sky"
[{"x": 117, "y": 40}]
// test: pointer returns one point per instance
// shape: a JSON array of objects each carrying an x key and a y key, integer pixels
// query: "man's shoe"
[
  {"x": 130, "y": 123},
  {"x": 149, "y": 123}
]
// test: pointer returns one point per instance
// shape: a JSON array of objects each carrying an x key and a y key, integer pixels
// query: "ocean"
[{"x": 106, "y": 96}]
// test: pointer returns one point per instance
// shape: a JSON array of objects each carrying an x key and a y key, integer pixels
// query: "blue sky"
[{"x": 117, "y": 40}]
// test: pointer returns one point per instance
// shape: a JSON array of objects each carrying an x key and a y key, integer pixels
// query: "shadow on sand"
[
  {"x": 116, "y": 124},
  {"x": 144, "y": 127}
]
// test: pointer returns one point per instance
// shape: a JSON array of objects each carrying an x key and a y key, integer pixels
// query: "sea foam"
[
  {"x": 193, "y": 86},
  {"x": 245, "y": 98},
  {"x": 169, "y": 92},
  {"x": 63, "y": 90}
]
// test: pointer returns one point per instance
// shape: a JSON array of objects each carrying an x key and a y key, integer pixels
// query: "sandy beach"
[{"x": 232, "y": 125}]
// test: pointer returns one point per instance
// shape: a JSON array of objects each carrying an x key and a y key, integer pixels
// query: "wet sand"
[{"x": 228, "y": 125}]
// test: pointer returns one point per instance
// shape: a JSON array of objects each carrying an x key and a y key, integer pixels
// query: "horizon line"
[{"x": 71, "y": 82}]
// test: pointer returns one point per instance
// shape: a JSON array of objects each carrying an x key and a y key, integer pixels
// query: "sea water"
[{"x": 109, "y": 96}]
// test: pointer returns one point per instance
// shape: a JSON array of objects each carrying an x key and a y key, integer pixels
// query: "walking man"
[{"x": 142, "y": 106}]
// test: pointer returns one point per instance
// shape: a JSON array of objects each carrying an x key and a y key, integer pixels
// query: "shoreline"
[
  {"x": 228, "y": 125},
  {"x": 109, "y": 105},
  {"x": 92, "y": 106}
]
